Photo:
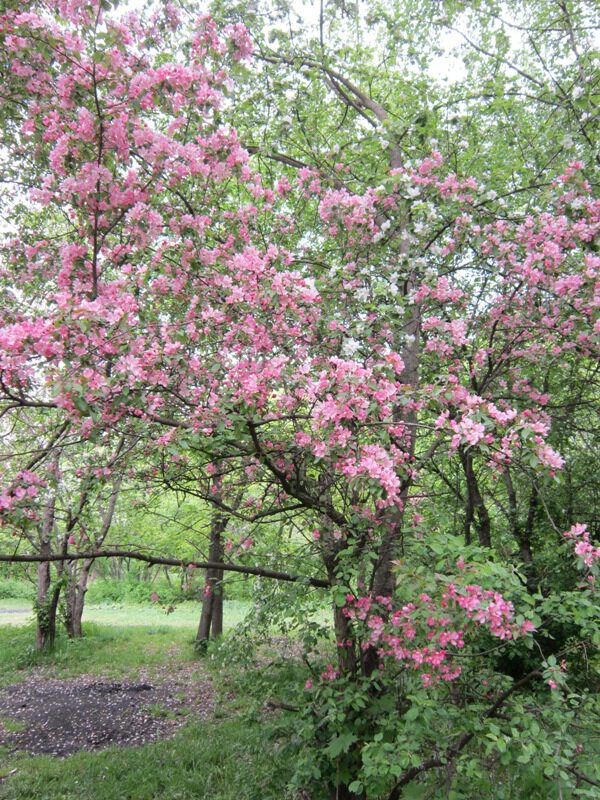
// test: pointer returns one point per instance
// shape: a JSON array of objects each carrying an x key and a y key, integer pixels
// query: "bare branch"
[{"x": 261, "y": 572}]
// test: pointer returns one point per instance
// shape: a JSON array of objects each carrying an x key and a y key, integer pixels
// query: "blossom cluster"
[
  {"x": 426, "y": 633},
  {"x": 588, "y": 555},
  {"x": 22, "y": 495}
]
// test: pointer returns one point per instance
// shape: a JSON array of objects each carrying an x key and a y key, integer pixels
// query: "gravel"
[{"x": 60, "y": 717}]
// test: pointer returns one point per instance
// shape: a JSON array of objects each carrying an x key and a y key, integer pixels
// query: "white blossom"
[{"x": 350, "y": 346}]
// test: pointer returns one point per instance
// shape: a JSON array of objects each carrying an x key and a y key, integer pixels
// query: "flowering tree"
[
  {"x": 409, "y": 338},
  {"x": 63, "y": 494}
]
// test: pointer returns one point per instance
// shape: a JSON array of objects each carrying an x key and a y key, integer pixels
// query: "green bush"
[
  {"x": 10, "y": 588},
  {"x": 134, "y": 590},
  {"x": 110, "y": 590}
]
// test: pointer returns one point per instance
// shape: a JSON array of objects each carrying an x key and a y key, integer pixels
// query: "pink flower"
[
  {"x": 549, "y": 457},
  {"x": 527, "y": 626},
  {"x": 320, "y": 449},
  {"x": 330, "y": 673}
]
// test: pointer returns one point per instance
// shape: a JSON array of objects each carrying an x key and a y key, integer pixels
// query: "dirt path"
[
  {"x": 15, "y": 616},
  {"x": 60, "y": 717}
]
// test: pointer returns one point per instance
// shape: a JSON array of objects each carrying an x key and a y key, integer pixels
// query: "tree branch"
[{"x": 261, "y": 572}]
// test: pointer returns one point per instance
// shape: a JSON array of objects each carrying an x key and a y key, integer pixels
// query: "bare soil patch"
[{"x": 60, "y": 717}]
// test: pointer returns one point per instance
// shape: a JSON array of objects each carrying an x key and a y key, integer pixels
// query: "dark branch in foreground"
[{"x": 261, "y": 572}]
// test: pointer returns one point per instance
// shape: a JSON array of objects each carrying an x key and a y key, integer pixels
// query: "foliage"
[{"x": 15, "y": 588}]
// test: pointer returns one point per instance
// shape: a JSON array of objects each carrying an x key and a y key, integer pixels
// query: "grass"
[
  {"x": 237, "y": 755},
  {"x": 17, "y": 611},
  {"x": 120, "y": 640},
  {"x": 14, "y": 611},
  {"x": 11, "y": 725},
  {"x": 231, "y": 760},
  {"x": 113, "y": 652}
]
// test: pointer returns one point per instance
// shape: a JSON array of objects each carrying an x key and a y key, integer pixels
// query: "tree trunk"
[
  {"x": 211, "y": 618},
  {"x": 345, "y": 642},
  {"x": 476, "y": 510},
  {"x": 45, "y": 609},
  {"x": 203, "y": 634},
  {"x": 78, "y": 583},
  {"x": 217, "y": 609},
  {"x": 70, "y": 594},
  {"x": 75, "y": 601},
  {"x": 46, "y": 604},
  {"x": 384, "y": 580}
]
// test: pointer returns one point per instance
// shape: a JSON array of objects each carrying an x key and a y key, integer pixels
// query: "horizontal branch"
[
  {"x": 261, "y": 572},
  {"x": 275, "y": 156}
]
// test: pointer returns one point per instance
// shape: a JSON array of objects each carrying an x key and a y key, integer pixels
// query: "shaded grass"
[
  {"x": 237, "y": 754},
  {"x": 231, "y": 760},
  {"x": 112, "y": 652}
]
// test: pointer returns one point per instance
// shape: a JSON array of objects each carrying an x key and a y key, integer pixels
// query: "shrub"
[{"x": 11, "y": 588}]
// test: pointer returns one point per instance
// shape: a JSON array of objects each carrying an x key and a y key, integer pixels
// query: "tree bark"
[
  {"x": 409, "y": 344},
  {"x": 203, "y": 633},
  {"x": 476, "y": 511},
  {"x": 46, "y": 604},
  {"x": 78, "y": 580},
  {"x": 217, "y": 610},
  {"x": 75, "y": 601},
  {"x": 211, "y": 617}
]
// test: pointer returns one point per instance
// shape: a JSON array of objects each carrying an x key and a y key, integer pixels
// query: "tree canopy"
[{"x": 286, "y": 269}]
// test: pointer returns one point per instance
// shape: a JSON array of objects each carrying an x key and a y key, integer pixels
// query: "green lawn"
[
  {"x": 237, "y": 755},
  {"x": 186, "y": 615},
  {"x": 120, "y": 639},
  {"x": 15, "y": 611},
  {"x": 230, "y": 760}
]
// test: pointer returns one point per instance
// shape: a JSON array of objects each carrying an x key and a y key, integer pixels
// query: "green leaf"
[
  {"x": 81, "y": 405},
  {"x": 340, "y": 744}
]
